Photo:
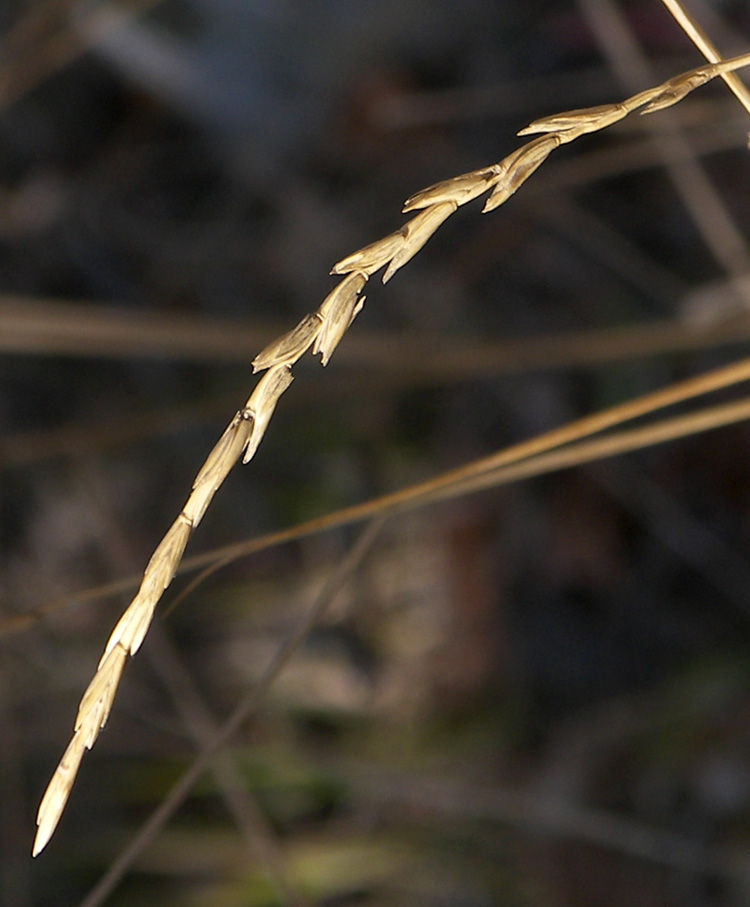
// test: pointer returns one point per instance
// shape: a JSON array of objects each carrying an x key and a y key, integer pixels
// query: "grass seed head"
[{"x": 323, "y": 330}]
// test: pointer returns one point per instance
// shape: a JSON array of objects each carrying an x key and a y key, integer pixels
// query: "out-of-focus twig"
[
  {"x": 47, "y": 327},
  {"x": 532, "y": 812},
  {"x": 34, "y": 57}
]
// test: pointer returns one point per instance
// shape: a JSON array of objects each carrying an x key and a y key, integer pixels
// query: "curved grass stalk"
[{"x": 323, "y": 331}]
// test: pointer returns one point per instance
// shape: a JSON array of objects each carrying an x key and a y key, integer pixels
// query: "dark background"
[{"x": 539, "y": 695}]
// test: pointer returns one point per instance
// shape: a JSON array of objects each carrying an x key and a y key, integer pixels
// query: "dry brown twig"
[{"x": 322, "y": 330}]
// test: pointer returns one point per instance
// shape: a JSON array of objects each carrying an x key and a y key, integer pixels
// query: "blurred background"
[{"x": 536, "y": 695}]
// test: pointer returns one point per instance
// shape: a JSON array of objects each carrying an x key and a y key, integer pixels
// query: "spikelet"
[
  {"x": 674, "y": 90},
  {"x": 96, "y": 702},
  {"x": 225, "y": 453},
  {"x": 168, "y": 554},
  {"x": 57, "y": 793},
  {"x": 416, "y": 232},
  {"x": 371, "y": 258},
  {"x": 286, "y": 350},
  {"x": 460, "y": 189},
  {"x": 93, "y": 712},
  {"x": 518, "y": 167},
  {"x": 338, "y": 310},
  {"x": 262, "y": 402},
  {"x": 587, "y": 119}
]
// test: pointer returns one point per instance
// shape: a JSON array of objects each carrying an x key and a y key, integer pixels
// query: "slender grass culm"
[{"x": 322, "y": 331}]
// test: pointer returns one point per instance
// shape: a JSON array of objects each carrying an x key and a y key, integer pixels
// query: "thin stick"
[
  {"x": 600, "y": 449},
  {"x": 532, "y": 812},
  {"x": 54, "y": 328}
]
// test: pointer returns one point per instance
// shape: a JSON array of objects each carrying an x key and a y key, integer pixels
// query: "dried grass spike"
[
  {"x": 416, "y": 233},
  {"x": 262, "y": 403},
  {"x": 519, "y": 166},
  {"x": 286, "y": 350},
  {"x": 323, "y": 330},
  {"x": 460, "y": 189}
]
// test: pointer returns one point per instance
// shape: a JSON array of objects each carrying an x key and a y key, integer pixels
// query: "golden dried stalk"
[{"x": 323, "y": 330}]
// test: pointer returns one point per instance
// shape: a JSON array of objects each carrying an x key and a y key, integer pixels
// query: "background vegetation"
[{"x": 536, "y": 695}]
